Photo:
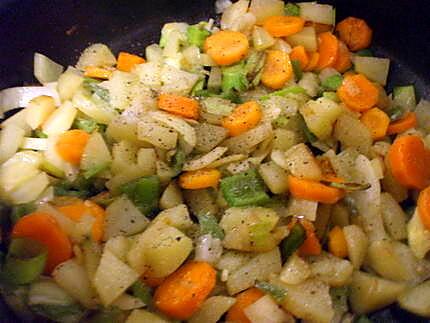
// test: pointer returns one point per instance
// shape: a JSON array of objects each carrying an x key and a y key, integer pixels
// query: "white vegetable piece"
[
  {"x": 394, "y": 217},
  {"x": 263, "y": 9},
  {"x": 307, "y": 38},
  {"x": 19, "y": 120},
  {"x": 45, "y": 69},
  {"x": 356, "y": 242},
  {"x": 301, "y": 162},
  {"x": 73, "y": 278},
  {"x": 209, "y": 136},
  {"x": 266, "y": 310},
  {"x": 319, "y": 13},
  {"x": 295, "y": 271},
  {"x": 352, "y": 133},
  {"x": 374, "y": 68},
  {"x": 121, "y": 86},
  {"x": 334, "y": 271},
  {"x": 11, "y": 138},
  {"x": 282, "y": 45},
  {"x": 119, "y": 246},
  {"x": 177, "y": 217},
  {"x": 171, "y": 197},
  {"x": 154, "y": 53},
  {"x": 96, "y": 55},
  {"x": 418, "y": 236},
  {"x": 208, "y": 249},
  {"x": 112, "y": 278},
  {"x": 96, "y": 152},
  {"x": 261, "y": 39},
  {"x": 38, "y": 110},
  {"x": 370, "y": 293},
  {"x": 123, "y": 218},
  {"x": 417, "y": 299},
  {"x": 149, "y": 74},
  {"x": 205, "y": 160},
  {"x": 233, "y": 14},
  {"x": 245, "y": 142},
  {"x": 178, "y": 124},
  {"x": 212, "y": 309},
  {"x": 143, "y": 316},
  {"x": 310, "y": 82},
  {"x": 275, "y": 177},
  {"x": 97, "y": 109},
  {"x": 176, "y": 81},
  {"x": 302, "y": 208},
  {"x": 34, "y": 143},
  {"x": 423, "y": 114},
  {"x": 30, "y": 190},
  {"x": 127, "y": 302},
  {"x": 60, "y": 120},
  {"x": 68, "y": 83}
]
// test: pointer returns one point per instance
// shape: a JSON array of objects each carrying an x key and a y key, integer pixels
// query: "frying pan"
[{"x": 61, "y": 29}]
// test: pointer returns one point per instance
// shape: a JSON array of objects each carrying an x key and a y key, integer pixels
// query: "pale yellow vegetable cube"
[
  {"x": 60, "y": 120},
  {"x": 295, "y": 271},
  {"x": 38, "y": 110},
  {"x": 301, "y": 163}
]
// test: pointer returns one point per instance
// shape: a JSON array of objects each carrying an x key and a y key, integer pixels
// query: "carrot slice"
[
  {"x": 409, "y": 162},
  {"x": 179, "y": 105},
  {"x": 299, "y": 54},
  {"x": 328, "y": 48},
  {"x": 202, "y": 178},
  {"x": 282, "y": 26},
  {"x": 71, "y": 144},
  {"x": 127, "y": 61},
  {"x": 313, "y": 62},
  {"x": 343, "y": 62},
  {"x": 227, "y": 47},
  {"x": 355, "y": 33},
  {"x": 236, "y": 313},
  {"x": 358, "y": 93},
  {"x": 277, "y": 70},
  {"x": 337, "y": 242},
  {"x": 182, "y": 293},
  {"x": 97, "y": 72},
  {"x": 77, "y": 210},
  {"x": 424, "y": 207},
  {"x": 245, "y": 117},
  {"x": 407, "y": 122},
  {"x": 311, "y": 246},
  {"x": 43, "y": 228},
  {"x": 314, "y": 191},
  {"x": 376, "y": 121}
]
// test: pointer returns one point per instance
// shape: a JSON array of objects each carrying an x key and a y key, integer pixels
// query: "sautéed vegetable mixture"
[{"x": 254, "y": 170}]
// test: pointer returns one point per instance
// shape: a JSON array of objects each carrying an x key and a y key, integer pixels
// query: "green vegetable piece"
[
  {"x": 395, "y": 113},
  {"x": 144, "y": 192},
  {"x": 234, "y": 78},
  {"x": 339, "y": 296},
  {"x": 87, "y": 125},
  {"x": 350, "y": 187},
  {"x": 198, "y": 87},
  {"x": 259, "y": 233},
  {"x": 278, "y": 293},
  {"x": 297, "y": 69},
  {"x": 209, "y": 225},
  {"x": 81, "y": 187},
  {"x": 331, "y": 96},
  {"x": 25, "y": 261},
  {"x": 18, "y": 211},
  {"x": 197, "y": 35},
  {"x": 91, "y": 85},
  {"x": 292, "y": 9},
  {"x": 363, "y": 319},
  {"x": 254, "y": 63},
  {"x": 59, "y": 313},
  {"x": 364, "y": 53},
  {"x": 404, "y": 97},
  {"x": 142, "y": 292},
  {"x": 51, "y": 169},
  {"x": 295, "y": 89},
  {"x": 39, "y": 134},
  {"x": 294, "y": 240},
  {"x": 112, "y": 315},
  {"x": 310, "y": 136},
  {"x": 96, "y": 170},
  {"x": 332, "y": 83},
  {"x": 244, "y": 189},
  {"x": 178, "y": 161}
]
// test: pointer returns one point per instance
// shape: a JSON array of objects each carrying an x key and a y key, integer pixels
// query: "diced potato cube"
[
  {"x": 60, "y": 120},
  {"x": 275, "y": 177},
  {"x": 301, "y": 162},
  {"x": 39, "y": 109},
  {"x": 334, "y": 271},
  {"x": 295, "y": 271}
]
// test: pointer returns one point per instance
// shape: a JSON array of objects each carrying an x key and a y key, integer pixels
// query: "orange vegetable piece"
[
  {"x": 236, "y": 313},
  {"x": 77, "y": 210},
  {"x": 358, "y": 93},
  {"x": 44, "y": 229},
  {"x": 184, "y": 291},
  {"x": 298, "y": 53},
  {"x": 328, "y": 48},
  {"x": 245, "y": 117},
  {"x": 97, "y": 72},
  {"x": 127, "y": 61},
  {"x": 311, "y": 246},
  {"x": 71, "y": 144},
  {"x": 355, "y": 33},
  {"x": 313, "y": 62},
  {"x": 282, "y": 26},
  {"x": 337, "y": 242},
  {"x": 277, "y": 69},
  {"x": 343, "y": 61},
  {"x": 407, "y": 122},
  {"x": 313, "y": 191},
  {"x": 424, "y": 207},
  {"x": 409, "y": 162},
  {"x": 202, "y": 178},
  {"x": 179, "y": 105},
  {"x": 376, "y": 121},
  {"x": 227, "y": 47}
]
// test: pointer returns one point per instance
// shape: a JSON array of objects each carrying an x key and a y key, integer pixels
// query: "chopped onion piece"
[
  {"x": 34, "y": 143},
  {"x": 205, "y": 160},
  {"x": 45, "y": 69},
  {"x": 208, "y": 249}
]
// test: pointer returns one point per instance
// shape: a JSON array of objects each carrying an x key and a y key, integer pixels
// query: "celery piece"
[
  {"x": 18, "y": 211},
  {"x": 293, "y": 241},
  {"x": 395, "y": 113},
  {"x": 404, "y": 97},
  {"x": 209, "y": 225},
  {"x": 292, "y": 9},
  {"x": 234, "y": 78},
  {"x": 142, "y": 292},
  {"x": 244, "y": 189},
  {"x": 278, "y": 293},
  {"x": 297, "y": 69},
  {"x": 332, "y": 83},
  {"x": 144, "y": 192},
  {"x": 96, "y": 170},
  {"x": 295, "y": 89},
  {"x": 92, "y": 86},
  {"x": 331, "y": 96},
  {"x": 198, "y": 87},
  {"x": 87, "y": 125},
  {"x": 197, "y": 35}
]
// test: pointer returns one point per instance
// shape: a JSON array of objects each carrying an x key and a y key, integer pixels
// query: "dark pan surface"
[{"x": 61, "y": 29}]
